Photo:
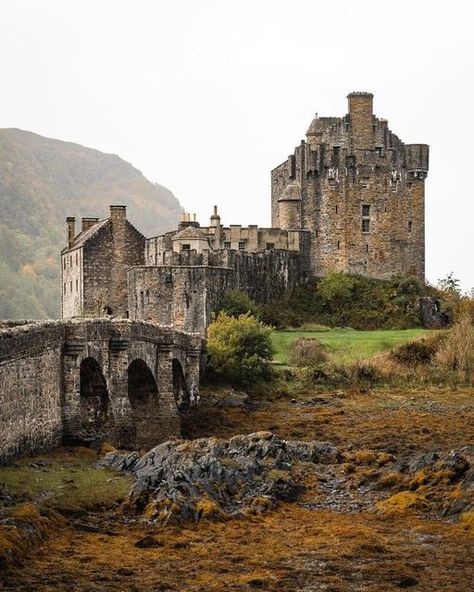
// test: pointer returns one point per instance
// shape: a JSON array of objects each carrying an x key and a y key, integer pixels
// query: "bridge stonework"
[{"x": 91, "y": 380}]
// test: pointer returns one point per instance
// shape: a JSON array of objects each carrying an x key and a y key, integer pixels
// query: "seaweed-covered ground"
[{"x": 393, "y": 511}]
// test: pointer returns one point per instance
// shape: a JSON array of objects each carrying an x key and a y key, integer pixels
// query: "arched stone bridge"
[{"x": 89, "y": 380}]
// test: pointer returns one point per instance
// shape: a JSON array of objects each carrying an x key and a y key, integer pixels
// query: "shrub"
[
  {"x": 457, "y": 351},
  {"x": 236, "y": 303},
  {"x": 307, "y": 352},
  {"x": 239, "y": 349},
  {"x": 421, "y": 351}
]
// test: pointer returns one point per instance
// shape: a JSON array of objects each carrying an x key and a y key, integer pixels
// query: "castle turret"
[
  {"x": 289, "y": 207},
  {"x": 216, "y": 224}
]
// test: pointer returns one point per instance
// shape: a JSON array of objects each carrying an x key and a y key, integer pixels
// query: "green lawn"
[{"x": 346, "y": 344}]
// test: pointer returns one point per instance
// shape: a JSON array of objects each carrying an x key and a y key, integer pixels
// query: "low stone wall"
[{"x": 30, "y": 388}]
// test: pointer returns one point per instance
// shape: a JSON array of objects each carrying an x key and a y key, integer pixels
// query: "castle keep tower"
[{"x": 359, "y": 190}]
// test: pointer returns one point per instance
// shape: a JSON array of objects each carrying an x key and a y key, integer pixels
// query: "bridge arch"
[
  {"x": 94, "y": 402},
  {"x": 144, "y": 403}
]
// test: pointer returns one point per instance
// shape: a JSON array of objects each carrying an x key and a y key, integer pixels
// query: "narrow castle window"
[
  {"x": 226, "y": 245},
  {"x": 77, "y": 259},
  {"x": 241, "y": 246},
  {"x": 365, "y": 211},
  {"x": 336, "y": 209},
  {"x": 70, "y": 286},
  {"x": 367, "y": 248},
  {"x": 77, "y": 285},
  {"x": 70, "y": 260},
  {"x": 366, "y": 225},
  {"x": 64, "y": 263},
  {"x": 338, "y": 245},
  {"x": 410, "y": 226},
  {"x": 378, "y": 150}
]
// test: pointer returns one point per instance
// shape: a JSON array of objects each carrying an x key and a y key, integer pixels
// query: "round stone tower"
[{"x": 289, "y": 207}]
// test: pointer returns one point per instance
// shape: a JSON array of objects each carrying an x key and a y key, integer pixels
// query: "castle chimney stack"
[
  {"x": 71, "y": 230},
  {"x": 361, "y": 119},
  {"x": 118, "y": 213},
  {"x": 87, "y": 223}
]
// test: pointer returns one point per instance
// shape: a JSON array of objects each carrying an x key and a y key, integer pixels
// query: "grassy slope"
[
  {"x": 42, "y": 181},
  {"x": 346, "y": 344}
]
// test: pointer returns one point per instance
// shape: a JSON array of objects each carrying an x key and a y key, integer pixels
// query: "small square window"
[
  {"x": 241, "y": 246},
  {"x": 365, "y": 225},
  {"x": 226, "y": 245},
  {"x": 270, "y": 246},
  {"x": 365, "y": 211},
  {"x": 185, "y": 247}
]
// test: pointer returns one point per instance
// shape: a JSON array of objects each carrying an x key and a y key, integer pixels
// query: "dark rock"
[
  {"x": 456, "y": 463},
  {"x": 148, "y": 542},
  {"x": 407, "y": 582},
  {"x": 126, "y": 571}
]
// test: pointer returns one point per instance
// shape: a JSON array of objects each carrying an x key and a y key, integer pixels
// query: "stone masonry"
[
  {"x": 350, "y": 198},
  {"x": 360, "y": 192},
  {"x": 89, "y": 380}
]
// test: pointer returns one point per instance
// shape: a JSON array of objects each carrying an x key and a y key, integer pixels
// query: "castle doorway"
[
  {"x": 94, "y": 403},
  {"x": 144, "y": 403}
]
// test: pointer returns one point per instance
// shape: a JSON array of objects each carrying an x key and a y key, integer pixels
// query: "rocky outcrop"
[{"x": 210, "y": 478}]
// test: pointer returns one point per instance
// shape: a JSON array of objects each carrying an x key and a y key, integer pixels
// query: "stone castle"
[
  {"x": 125, "y": 360},
  {"x": 350, "y": 198}
]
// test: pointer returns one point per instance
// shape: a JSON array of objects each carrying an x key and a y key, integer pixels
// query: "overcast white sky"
[{"x": 207, "y": 96}]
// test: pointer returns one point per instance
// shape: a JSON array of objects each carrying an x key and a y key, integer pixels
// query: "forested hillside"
[{"x": 44, "y": 180}]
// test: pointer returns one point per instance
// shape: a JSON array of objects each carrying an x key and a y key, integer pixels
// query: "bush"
[
  {"x": 239, "y": 349},
  {"x": 456, "y": 353},
  {"x": 417, "y": 352},
  {"x": 307, "y": 352},
  {"x": 236, "y": 303},
  {"x": 348, "y": 300}
]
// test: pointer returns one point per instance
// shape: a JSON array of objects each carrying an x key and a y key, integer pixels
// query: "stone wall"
[
  {"x": 70, "y": 381},
  {"x": 184, "y": 291},
  {"x": 30, "y": 388}
]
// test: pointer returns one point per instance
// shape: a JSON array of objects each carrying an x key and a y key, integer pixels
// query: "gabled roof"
[
  {"x": 83, "y": 237},
  {"x": 320, "y": 124},
  {"x": 190, "y": 233}
]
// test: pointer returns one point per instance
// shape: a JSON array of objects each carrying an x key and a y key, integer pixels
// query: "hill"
[{"x": 42, "y": 181}]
